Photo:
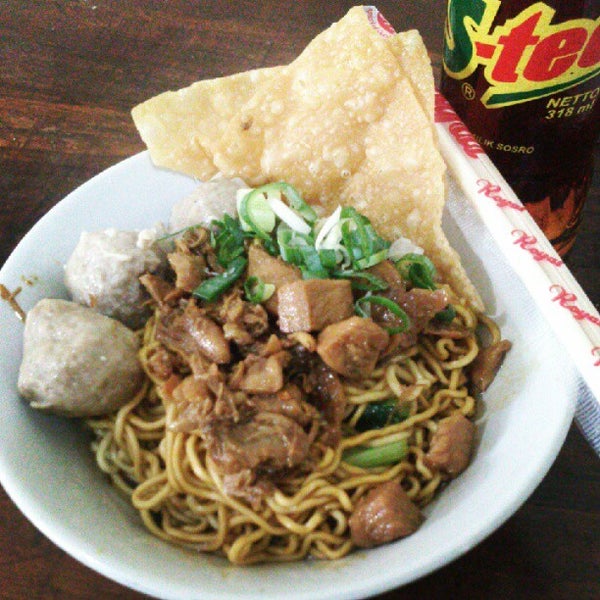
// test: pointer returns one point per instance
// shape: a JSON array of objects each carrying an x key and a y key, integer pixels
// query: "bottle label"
[{"x": 526, "y": 57}]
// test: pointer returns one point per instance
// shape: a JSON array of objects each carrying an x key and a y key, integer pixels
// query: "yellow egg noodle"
[{"x": 179, "y": 494}]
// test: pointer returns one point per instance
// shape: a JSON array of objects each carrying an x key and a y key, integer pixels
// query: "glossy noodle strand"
[{"x": 179, "y": 491}]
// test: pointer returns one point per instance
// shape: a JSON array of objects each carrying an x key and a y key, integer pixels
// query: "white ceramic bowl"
[{"x": 49, "y": 472}]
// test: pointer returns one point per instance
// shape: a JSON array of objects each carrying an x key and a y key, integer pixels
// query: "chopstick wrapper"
[{"x": 566, "y": 308}]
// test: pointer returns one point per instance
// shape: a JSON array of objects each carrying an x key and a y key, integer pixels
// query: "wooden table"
[{"x": 69, "y": 74}]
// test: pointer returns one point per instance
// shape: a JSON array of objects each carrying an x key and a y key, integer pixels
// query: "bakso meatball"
[
  {"x": 103, "y": 273},
  {"x": 209, "y": 201},
  {"x": 77, "y": 362}
]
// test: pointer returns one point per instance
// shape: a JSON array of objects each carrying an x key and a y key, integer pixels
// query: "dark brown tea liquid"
[{"x": 525, "y": 78}]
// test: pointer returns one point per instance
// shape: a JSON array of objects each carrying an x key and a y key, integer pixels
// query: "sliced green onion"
[
  {"x": 288, "y": 215},
  {"x": 328, "y": 258},
  {"x": 376, "y": 242},
  {"x": 289, "y": 252},
  {"x": 229, "y": 249},
  {"x": 372, "y": 260},
  {"x": 296, "y": 201},
  {"x": 314, "y": 273},
  {"x": 392, "y": 306},
  {"x": 376, "y": 456},
  {"x": 329, "y": 227},
  {"x": 294, "y": 198},
  {"x": 377, "y": 415},
  {"x": 257, "y": 290},
  {"x": 365, "y": 247},
  {"x": 270, "y": 246},
  {"x": 295, "y": 247},
  {"x": 363, "y": 281},
  {"x": 417, "y": 269},
  {"x": 256, "y": 214},
  {"x": 447, "y": 315},
  {"x": 168, "y": 236},
  {"x": 210, "y": 289},
  {"x": 310, "y": 258},
  {"x": 350, "y": 240}
]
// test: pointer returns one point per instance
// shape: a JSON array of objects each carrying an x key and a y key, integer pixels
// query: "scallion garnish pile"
[{"x": 343, "y": 245}]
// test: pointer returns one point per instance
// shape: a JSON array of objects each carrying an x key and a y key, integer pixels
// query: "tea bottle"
[{"x": 525, "y": 78}]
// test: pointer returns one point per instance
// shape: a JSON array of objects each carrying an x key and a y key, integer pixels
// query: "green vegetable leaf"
[
  {"x": 362, "y": 281},
  {"x": 257, "y": 290},
  {"x": 369, "y": 457},
  {"x": 381, "y": 414},
  {"x": 447, "y": 315},
  {"x": 417, "y": 269},
  {"x": 392, "y": 306},
  {"x": 210, "y": 289}
]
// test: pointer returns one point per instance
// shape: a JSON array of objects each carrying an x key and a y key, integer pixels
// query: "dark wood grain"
[{"x": 69, "y": 74}]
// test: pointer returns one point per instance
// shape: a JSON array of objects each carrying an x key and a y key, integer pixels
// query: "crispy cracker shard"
[{"x": 350, "y": 121}]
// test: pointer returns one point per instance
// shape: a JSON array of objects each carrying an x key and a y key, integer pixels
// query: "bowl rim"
[{"x": 71, "y": 544}]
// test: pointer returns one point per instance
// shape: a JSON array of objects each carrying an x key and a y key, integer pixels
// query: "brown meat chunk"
[
  {"x": 243, "y": 322},
  {"x": 192, "y": 389},
  {"x": 330, "y": 398},
  {"x": 387, "y": 271},
  {"x": 451, "y": 445},
  {"x": 486, "y": 365},
  {"x": 267, "y": 441},
  {"x": 288, "y": 401},
  {"x": 312, "y": 304},
  {"x": 352, "y": 347},
  {"x": 190, "y": 331},
  {"x": 160, "y": 363},
  {"x": 454, "y": 331},
  {"x": 159, "y": 289},
  {"x": 193, "y": 404},
  {"x": 259, "y": 375},
  {"x": 420, "y": 306},
  {"x": 189, "y": 269},
  {"x": 384, "y": 514},
  {"x": 271, "y": 269},
  {"x": 302, "y": 339}
]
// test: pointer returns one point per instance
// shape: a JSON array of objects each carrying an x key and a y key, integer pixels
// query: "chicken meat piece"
[
  {"x": 259, "y": 374},
  {"x": 190, "y": 331},
  {"x": 384, "y": 514},
  {"x": 288, "y": 401},
  {"x": 386, "y": 271},
  {"x": 268, "y": 441},
  {"x": 353, "y": 346},
  {"x": 451, "y": 445},
  {"x": 486, "y": 365},
  {"x": 190, "y": 270}
]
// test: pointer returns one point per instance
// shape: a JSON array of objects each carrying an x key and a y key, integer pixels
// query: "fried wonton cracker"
[
  {"x": 349, "y": 121},
  {"x": 409, "y": 49},
  {"x": 400, "y": 187},
  {"x": 344, "y": 124},
  {"x": 176, "y": 125},
  {"x": 311, "y": 120}
]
